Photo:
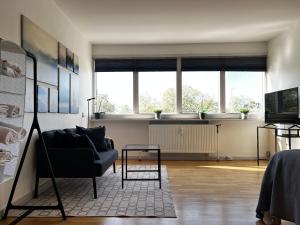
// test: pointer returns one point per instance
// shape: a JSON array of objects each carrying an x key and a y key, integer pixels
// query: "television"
[{"x": 282, "y": 106}]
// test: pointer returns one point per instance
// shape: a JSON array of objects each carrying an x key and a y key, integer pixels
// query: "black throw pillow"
[
  {"x": 60, "y": 141},
  {"x": 96, "y": 135},
  {"x": 72, "y": 140}
]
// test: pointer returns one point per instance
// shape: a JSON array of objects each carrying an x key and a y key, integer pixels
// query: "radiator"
[{"x": 184, "y": 138}]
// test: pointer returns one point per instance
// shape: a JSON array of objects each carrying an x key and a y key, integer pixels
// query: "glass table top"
[{"x": 141, "y": 146}]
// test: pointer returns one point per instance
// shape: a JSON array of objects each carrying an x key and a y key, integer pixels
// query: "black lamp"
[{"x": 88, "y": 100}]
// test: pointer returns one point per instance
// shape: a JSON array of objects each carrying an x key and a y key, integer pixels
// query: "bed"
[{"x": 280, "y": 189}]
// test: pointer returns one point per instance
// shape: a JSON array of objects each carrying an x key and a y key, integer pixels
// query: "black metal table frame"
[
  {"x": 274, "y": 127},
  {"x": 140, "y": 179}
]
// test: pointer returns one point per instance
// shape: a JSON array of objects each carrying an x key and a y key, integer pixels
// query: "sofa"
[{"x": 74, "y": 154}]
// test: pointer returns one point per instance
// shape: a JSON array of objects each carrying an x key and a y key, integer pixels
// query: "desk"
[{"x": 291, "y": 132}]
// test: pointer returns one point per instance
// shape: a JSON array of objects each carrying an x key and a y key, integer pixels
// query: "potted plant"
[
  {"x": 101, "y": 100},
  {"x": 157, "y": 114},
  {"x": 202, "y": 115},
  {"x": 244, "y": 113}
]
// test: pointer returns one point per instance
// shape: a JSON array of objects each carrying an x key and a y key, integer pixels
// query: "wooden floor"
[{"x": 204, "y": 192}]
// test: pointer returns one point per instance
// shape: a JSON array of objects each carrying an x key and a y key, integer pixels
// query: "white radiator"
[{"x": 184, "y": 138}]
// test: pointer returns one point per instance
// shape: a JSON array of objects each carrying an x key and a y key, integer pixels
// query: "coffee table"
[{"x": 140, "y": 148}]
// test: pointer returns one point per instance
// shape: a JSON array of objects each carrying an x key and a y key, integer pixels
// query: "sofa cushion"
[
  {"x": 72, "y": 140},
  {"x": 49, "y": 138},
  {"x": 70, "y": 130},
  {"x": 107, "y": 158},
  {"x": 96, "y": 135}
]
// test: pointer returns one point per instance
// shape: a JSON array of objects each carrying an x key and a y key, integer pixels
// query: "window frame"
[{"x": 178, "y": 110}]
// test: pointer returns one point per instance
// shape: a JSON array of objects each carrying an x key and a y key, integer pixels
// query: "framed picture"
[
  {"x": 29, "y": 96},
  {"x": 70, "y": 58},
  {"x": 29, "y": 68},
  {"x": 42, "y": 99},
  {"x": 74, "y": 98},
  {"x": 44, "y": 47},
  {"x": 53, "y": 100},
  {"x": 64, "y": 91},
  {"x": 62, "y": 55},
  {"x": 76, "y": 64}
]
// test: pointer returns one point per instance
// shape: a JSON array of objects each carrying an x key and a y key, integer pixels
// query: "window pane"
[
  {"x": 244, "y": 90},
  {"x": 157, "y": 90},
  {"x": 200, "y": 91},
  {"x": 115, "y": 92}
]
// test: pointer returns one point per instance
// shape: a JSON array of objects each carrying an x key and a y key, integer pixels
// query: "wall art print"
[
  {"x": 42, "y": 99},
  {"x": 74, "y": 92},
  {"x": 53, "y": 100},
  {"x": 44, "y": 47},
  {"x": 70, "y": 60},
  {"x": 64, "y": 91}
]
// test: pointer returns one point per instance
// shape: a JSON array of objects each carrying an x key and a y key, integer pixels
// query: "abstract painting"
[
  {"x": 29, "y": 68},
  {"x": 53, "y": 100},
  {"x": 62, "y": 55},
  {"x": 76, "y": 64},
  {"x": 64, "y": 91},
  {"x": 29, "y": 96},
  {"x": 44, "y": 47},
  {"x": 70, "y": 58},
  {"x": 42, "y": 99},
  {"x": 74, "y": 98}
]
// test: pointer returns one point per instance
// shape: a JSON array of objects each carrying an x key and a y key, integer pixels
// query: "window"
[
  {"x": 244, "y": 90},
  {"x": 157, "y": 90},
  {"x": 114, "y": 92},
  {"x": 200, "y": 91},
  {"x": 209, "y": 84}
]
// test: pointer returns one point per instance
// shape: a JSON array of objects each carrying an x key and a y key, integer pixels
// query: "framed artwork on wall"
[
  {"x": 62, "y": 55},
  {"x": 70, "y": 58},
  {"x": 53, "y": 100},
  {"x": 29, "y": 96},
  {"x": 74, "y": 92},
  {"x": 76, "y": 64},
  {"x": 64, "y": 91},
  {"x": 44, "y": 47},
  {"x": 42, "y": 99}
]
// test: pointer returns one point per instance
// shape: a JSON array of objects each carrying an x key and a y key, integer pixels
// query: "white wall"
[
  {"x": 50, "y": 18},
  {"x": 284, "y": 66},
  {"x": 237, "y": 138}
]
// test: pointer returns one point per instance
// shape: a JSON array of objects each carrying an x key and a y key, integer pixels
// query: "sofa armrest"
[
  {"x": 110, "y": 143},
  {"x": 67, "y": 162}
]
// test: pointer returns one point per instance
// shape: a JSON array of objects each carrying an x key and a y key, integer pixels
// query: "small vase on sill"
[
  {"x": 244, "y": 113},
  {"x": 99, "y": 115},
  {"x": 157, "y": 114}
]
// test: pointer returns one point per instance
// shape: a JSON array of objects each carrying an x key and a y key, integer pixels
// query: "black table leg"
[
  {"x": 126, "y": 163},
  {"x": 159, "y": 167},
  {"x": 122, "y": 169},
  {"x": 290, "y": 140},
  {"x": 257, "y": 147},
  {"x": 276, "y": 134}
]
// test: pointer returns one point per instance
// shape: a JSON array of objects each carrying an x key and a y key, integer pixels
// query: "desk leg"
[
  {"x": 126, "y": 163},
  {"x": 276, "y": 134},
  {"x": 290, "y": 140},
  {"x": 159, "y": 167},
  {"x": 257, "y": 145},
  {"x": 122, "y": 169}
]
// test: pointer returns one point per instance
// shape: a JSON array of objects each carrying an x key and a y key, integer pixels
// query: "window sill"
[{"x": 179, "y": 117}]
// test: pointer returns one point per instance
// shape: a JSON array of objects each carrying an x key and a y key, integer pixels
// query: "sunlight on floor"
[{"x": 242, "y": 168}]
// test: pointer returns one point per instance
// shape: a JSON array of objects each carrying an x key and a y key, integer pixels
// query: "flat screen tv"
[{"x": 282, "y": 106}]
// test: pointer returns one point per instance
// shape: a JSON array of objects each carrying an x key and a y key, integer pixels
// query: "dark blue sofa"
[{"x": 73, "y": 162}]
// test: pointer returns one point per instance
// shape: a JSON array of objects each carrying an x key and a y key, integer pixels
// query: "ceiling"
[{"x": 180, "y": 21}]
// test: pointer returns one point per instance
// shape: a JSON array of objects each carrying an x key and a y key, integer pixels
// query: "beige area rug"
[{"x": 137, "y": 199}]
